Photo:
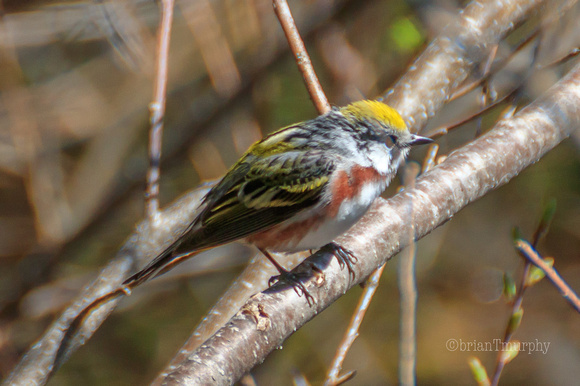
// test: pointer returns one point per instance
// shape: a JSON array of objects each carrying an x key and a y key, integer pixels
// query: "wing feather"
[
  {"x": 267, "y": 192},
  {"x": 255, "y": 195}
]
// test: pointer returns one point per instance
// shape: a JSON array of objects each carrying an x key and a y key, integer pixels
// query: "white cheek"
[{"x": 381, "y": 158}]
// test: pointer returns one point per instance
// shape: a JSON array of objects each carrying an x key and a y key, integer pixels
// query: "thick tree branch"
[{"x": 38, "y": 363}]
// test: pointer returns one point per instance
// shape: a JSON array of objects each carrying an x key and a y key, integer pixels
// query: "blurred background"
[{"x": 75, "y": 82}]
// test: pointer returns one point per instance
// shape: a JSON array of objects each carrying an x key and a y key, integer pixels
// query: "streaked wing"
[
  {"x": 255, "y": 195},
  {"x": 265, "y": 193}
]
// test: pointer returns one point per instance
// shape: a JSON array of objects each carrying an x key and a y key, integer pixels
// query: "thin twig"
[
  {"x": 500, "y": 363},
  {"x": 429, "y": 161},
  {"x": 213, "y": 45},
  {"x": 540, "y": 232},
  {"x": 572, "y": 54},
  {"x": 408, "y": 293},
  {"x": 157, "y": 110},
  {"x": 500, "y": 64},
  {"x": 486, "y": 88},
  {"x": 371, "y": 286},
  {"x": 527, "y": 251},
  {"x": 302, "y": 59},
  {"x": 443, "y": 130}
]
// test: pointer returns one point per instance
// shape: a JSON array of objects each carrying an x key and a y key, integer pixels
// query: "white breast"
[{"x": 348, "y": 214}]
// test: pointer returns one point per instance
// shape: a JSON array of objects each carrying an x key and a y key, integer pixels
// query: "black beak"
[{"x": 418, "y": 140}]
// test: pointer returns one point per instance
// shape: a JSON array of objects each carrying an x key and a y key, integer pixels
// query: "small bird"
[{"x": 298, "y": 188}]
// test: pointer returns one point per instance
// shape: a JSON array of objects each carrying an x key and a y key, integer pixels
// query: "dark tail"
[{"x": 161, "y": 264}]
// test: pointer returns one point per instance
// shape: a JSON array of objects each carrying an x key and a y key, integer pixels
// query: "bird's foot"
[
  {"x": 343, "y": 255},
  {"x": 293, "y": 279}
]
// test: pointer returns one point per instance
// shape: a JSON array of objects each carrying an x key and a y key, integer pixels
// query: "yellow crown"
[{"x": 364, "y": 110}]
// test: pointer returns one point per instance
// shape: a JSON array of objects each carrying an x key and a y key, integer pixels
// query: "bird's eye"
[{"x": 390, "y": 141}]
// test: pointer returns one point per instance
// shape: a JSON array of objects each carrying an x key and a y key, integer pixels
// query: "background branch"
[
  {"x": 302, "y": 58},
  {"x": 157, "y": 110},
  {"x": 143, "y": 244},
  {"x": 527, "y": 251},
  {"x": 407, "y": 284}
]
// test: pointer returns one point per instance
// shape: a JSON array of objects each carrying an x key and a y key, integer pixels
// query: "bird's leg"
[
  {"x": 343, "y": 255},
  {"x": 288, "y": 277}
]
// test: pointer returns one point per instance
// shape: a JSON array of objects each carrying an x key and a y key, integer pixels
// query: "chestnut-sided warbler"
[{"x": 298, "y": 188}]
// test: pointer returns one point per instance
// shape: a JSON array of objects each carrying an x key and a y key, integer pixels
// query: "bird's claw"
[
  {"x": 344, "y": 257},
  {"x": 293, "y": 280}
]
